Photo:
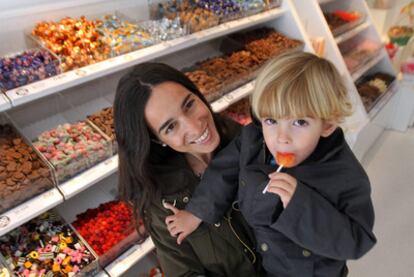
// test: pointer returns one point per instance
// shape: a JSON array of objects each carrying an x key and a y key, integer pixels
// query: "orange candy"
[{"x": 285, "y": 159}]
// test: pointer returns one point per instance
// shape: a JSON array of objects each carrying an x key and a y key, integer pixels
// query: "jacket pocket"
[{"x": 282, "y": 257}]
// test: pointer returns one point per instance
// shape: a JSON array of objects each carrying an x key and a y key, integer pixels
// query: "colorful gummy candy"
[{"x": 45, "y": 246}]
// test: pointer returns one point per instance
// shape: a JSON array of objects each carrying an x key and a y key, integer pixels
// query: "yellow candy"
[
  {"x": 27, "y": 264},
  {"x": 66, "y": 261},
  {"x": 67, "y": 269},
  {"x": 56, "y": 267},
  {"x": 62, "y": 245},
  {"x": 34, "y": 255}
]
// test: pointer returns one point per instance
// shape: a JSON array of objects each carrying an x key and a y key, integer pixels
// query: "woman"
[{"x": 167, "y": 135}]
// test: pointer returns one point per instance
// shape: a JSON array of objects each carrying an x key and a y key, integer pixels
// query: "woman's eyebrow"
[
  {"x": 166, "y": 123},
  {"x": 185, "y": 100}
]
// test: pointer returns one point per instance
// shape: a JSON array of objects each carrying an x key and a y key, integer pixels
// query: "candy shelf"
[
  {"x": 129, "y": 258},
  {"x": 361, "y": 128},
  {"x": 29, "y": 209},
  {"x": 232, "y": 97},
  {"x": 106, "y": 191},
  {"x": 89, "y": 177},
  {"x": 353, "y": 32},
  {"x": 383, "y": 99},
  {"x": 368, "y": 65},
  {"x": 76, "y": 77}
]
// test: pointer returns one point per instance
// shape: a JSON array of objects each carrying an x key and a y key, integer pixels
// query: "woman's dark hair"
[{"x": 135, "y": 140}]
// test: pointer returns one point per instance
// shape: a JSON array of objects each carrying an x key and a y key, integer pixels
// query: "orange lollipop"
[{"x": 283, "y": 160}]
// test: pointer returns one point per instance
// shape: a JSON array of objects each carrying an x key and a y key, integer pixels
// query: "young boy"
[{"x": 317, "y": 212}]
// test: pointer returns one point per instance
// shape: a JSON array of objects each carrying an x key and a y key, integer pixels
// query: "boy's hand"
[
  {"x": 181, "y": 223},
  {"x": 283, "y": 185}
]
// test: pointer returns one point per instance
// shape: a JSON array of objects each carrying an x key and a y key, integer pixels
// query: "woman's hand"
[
  {"x": 181, "y": 223},
  {"x": 283, "y": 185}
]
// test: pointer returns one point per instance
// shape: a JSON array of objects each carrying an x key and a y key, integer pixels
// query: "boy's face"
[{"x": 298, "y": 136}]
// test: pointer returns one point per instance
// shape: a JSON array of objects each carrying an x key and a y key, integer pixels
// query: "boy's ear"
[{"x": 328, "y": 128}]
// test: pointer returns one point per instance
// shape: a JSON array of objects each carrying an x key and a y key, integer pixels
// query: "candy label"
[
  {"x": 4, "y": 221},
  {"x": 80, "y": 72},
  {"x": 22, "y": 91}
]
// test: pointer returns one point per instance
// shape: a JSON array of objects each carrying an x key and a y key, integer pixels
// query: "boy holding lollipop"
[{"x": 293, "y": 176}]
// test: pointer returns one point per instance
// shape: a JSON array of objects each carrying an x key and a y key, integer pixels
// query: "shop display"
[
  {"x": 244, "y": 64},
  {"x": 358, "y": 52},
  {"x": 23, "y": 174},
  {"x": 27, "y": 67},
  {"x": 109, "y": 229},
  {"x": 400, "y": 34},
  {"x": 72, "y": 148},
  {"x": 341, "y": 21},
  {"x": 121, "y": 35},
  {"x": 47, "y": 246},
  {"x": 75, "y": 41},
  {"x": 264, "y": 43},
  {"x": 196, "y": 18},
  {"x": 372, "y": 87},
  {"x": 209, "y": 86},
  {"x": 217, "y": 76},
  {"x": 219, "y": 68},
  {"x": 104, "y": 121},
  {"x": 239, "y": 112},
  {"x": 225, "y": 10},
  {"x": 165, "y": 29}
]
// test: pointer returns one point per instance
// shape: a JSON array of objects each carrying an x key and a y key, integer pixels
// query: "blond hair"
[{"x": 298, "y": 84}]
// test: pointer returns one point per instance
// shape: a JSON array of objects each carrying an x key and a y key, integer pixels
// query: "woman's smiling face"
[{"x": 181, "y": 120}]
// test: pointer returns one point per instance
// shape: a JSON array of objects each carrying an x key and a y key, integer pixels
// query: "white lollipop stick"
[{"x": 278, "y": 170}]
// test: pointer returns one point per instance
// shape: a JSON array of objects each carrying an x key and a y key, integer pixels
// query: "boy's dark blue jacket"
[{"x": 328, "y": 220}]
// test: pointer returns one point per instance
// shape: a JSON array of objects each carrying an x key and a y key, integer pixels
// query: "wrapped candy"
[
  {"x": 123, "y": 36},
  {"x": 75, "y": 41},
  {"x": 225, "y": 9},
  {"x": 27, "y": 67},
  {"x": 165, "y": 29}
]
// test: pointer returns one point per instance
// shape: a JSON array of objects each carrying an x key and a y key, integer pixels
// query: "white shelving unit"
[
  {"x": 130, "y": 257},
  {"x": 29, "y": 209},
  {"x": 73, "y": 95},
  {"x": 31, "y": 92},
  {"x": 359, "y": 132},
  {"x": 353, "y": 32},
  {"x": 232, "y": 97}
]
